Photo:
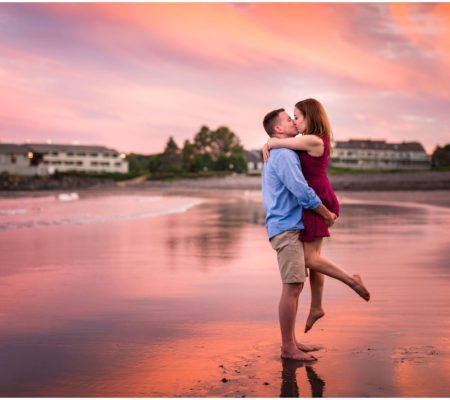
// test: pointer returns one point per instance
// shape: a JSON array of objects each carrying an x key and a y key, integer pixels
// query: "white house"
[
  {"x": 379, "y": 154},
  {"x": 18, "y": 159},
  {"x": 254, "y": 161},
  {"x": 42, "y": 159}
]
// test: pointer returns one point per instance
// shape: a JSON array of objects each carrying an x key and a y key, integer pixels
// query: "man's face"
[{"x": 285, "y": 126}]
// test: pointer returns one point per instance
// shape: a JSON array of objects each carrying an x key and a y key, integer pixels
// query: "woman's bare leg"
[
  {"x": 316, "y": 262},
  {"x": 316, "y": 281},
  {"x": 301, "y": 346}
]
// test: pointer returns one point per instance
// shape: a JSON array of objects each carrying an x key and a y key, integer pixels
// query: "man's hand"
[
  {"x": 265, "y": 151},
  {"x": 331, "y": 219}
]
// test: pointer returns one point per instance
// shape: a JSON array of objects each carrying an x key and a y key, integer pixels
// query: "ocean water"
[{"x": 155, "y": 294}]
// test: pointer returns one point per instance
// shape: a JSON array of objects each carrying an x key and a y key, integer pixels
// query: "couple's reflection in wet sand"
[{"x": 289, "y": 385}]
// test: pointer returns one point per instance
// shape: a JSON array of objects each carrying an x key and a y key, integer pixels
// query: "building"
[
  {"x": 379, "y": 154},
  {"x": 254, "y": 161},
  {"x": 17, "y": 159},
  {"x": 43, "y": 159}
]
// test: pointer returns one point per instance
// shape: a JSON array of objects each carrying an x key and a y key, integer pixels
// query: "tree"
[
  {"x": 224, "y": 141},
  {"x": 441, "y": 156},
  {"x": 138, "y": 163},
  {"x": 220, "y": 145},
  {"x": 154, "y": 163},
  {"x": 188, "y": 156},
  {"x": 238, "y": 161},
  {"x": 202, "y": 141},
  {"x": 171, "y": 158},
  {"x": 203, "y": 162}
]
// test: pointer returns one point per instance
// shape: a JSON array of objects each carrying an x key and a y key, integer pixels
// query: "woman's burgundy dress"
[{"x": 315, "y": 172}]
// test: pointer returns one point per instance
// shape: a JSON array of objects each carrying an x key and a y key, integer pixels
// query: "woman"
[{"x": 314, "y": 151}]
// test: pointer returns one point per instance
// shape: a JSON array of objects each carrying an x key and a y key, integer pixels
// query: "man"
[{"x": 285, "y": 194}]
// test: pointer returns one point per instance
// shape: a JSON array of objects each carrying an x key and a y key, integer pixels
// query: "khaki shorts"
[{"x": 291, "y": 258}]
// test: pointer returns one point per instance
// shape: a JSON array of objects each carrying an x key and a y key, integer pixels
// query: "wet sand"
[{"x": 185, "y": 304}]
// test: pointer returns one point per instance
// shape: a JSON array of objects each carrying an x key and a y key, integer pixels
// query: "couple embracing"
[{"x": 300, "y": 205}]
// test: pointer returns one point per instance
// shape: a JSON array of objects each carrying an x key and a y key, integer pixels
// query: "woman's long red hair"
[{"x": 317, "y": 122}]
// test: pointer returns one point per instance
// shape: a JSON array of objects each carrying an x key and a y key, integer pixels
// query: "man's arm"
[
  {"x": 326, "y": 214},
  {"x": 289, "y": 171}
]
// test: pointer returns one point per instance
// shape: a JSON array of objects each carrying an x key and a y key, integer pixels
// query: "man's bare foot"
[
  {"x": 296, "y": 354},
  {"x": 305, "y": 348},
  {"x": 313, "y": 316},
  {"x": 359, "y": 287}
]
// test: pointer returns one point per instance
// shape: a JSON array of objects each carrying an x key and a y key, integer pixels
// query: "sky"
[{"x": 129, "y": 75}]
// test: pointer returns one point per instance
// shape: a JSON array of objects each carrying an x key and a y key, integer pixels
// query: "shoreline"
[{"x": 404, "y": 181}]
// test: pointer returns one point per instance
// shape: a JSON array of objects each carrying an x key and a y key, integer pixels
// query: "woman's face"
[{"x": 300, "y": 120}]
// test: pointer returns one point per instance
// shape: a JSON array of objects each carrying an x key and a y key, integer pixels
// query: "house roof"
[
  {"x": 254, "y": 156},
  {"x": 13, "y": 148},
  {"x": 379, "y": 145},
  {"x": 39, "y": 147},
  {"x": 44, "y": 147}
]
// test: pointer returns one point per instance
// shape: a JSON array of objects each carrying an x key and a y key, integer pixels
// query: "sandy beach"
[{"x": 173, "y": 292}]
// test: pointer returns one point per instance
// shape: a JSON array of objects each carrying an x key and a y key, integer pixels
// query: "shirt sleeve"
[{"x": 290, "y": 173}]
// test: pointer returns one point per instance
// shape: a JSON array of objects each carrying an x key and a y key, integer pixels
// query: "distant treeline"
[
  {"x": 441, "y": 157},
  {"x": 209, "y": 151}
]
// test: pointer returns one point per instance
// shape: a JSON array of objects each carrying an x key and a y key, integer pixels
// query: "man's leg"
[{"x": 287, "y": 312}]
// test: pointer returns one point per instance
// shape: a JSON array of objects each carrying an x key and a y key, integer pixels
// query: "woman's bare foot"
[
  {"x": 359, "y": 287},
  {"x": 295, "y": 354},
  {"x": 313, "y": 316},
  {"x": 305, "y": 348}
]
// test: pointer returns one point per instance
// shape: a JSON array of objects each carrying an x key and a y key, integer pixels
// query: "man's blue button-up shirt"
[{"x": 285, "y": 192}]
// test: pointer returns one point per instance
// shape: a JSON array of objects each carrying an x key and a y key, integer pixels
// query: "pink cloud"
[{"x": 129, "y": 75}]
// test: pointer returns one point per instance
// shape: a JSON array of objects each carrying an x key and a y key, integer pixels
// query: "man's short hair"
[{"x": 270, "y": 120}]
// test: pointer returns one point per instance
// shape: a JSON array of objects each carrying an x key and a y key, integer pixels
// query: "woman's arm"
[{"x": 310, "y": 143}]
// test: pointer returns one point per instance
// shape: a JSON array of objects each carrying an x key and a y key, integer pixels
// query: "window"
[
  {"x": 79, "y": 162},
  {"x": 70, "y": 154},
  {"x": 81, "y": 154},
  {"x": 105, "y": 164},
  {"x": 94, "y": 155},
  {"x": 55, "y": 153},
  {"x": 94, "y": 163},
  {"x": 118, "y": 164},
  {"x": 105, "y": 155},
  {"x": 13, "y": 158}
]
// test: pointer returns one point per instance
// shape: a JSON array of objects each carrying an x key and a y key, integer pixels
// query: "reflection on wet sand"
[
  {"x": 289, "y": 385},
  {"x": 155, "y": 306},
  {"x": 215, "y": 235}
]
